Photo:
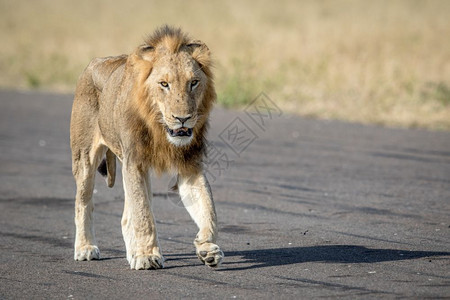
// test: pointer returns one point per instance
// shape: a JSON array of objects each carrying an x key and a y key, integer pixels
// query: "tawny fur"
[{"x": 121, "y": 110}]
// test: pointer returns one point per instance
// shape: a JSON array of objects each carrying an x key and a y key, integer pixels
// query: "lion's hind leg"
[{"x": 84, "y": 167}]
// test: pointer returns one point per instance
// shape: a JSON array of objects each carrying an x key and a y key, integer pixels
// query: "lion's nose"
[{"x": 182, "y": 119}]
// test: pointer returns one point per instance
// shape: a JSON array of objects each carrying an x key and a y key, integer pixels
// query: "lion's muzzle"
[{"x": 182, "y": 131}]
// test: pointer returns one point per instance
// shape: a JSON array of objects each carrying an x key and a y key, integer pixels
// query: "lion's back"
[{"x": 89, "y": 88}]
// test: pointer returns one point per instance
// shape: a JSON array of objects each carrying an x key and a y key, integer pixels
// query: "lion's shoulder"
[{"x": 102, "y": 68}]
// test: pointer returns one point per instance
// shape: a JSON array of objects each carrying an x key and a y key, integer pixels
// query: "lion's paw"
[
  {"x": 210, "y": 254},
  {"x": 145, "y": 262},
  {"x": 89, "y": 252}
]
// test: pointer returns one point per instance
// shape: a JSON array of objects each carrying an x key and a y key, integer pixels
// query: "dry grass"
[{"x": 382, "y": 62}]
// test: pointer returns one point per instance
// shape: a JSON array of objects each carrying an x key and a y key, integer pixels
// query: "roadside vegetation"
[{"x": 379, "y": 62}]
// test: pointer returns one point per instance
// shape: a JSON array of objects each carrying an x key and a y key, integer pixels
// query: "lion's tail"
[{"x": 107, "y": 168}]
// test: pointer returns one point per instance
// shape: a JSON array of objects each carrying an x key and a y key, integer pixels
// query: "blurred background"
[{"x": 378, "y": 62}]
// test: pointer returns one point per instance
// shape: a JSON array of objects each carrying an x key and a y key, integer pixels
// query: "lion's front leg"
[
  {"x": 197, "y": 198},
  {"x": 138, "y": 224}
]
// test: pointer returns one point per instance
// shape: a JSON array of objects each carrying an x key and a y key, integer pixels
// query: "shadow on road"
[{"x": 348, "y": 254}]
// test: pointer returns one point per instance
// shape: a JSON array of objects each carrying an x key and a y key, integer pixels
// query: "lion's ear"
[
  {"x": 200, "y": 52},
  {"x": 145, "y": 52}
]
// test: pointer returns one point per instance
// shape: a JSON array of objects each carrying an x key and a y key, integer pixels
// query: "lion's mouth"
[{"x": 182, "y": 131}]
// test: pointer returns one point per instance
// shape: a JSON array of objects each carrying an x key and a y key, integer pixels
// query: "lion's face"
[
  {"x": 177, "y": 84},
  {"x": 174, "y": 87}
]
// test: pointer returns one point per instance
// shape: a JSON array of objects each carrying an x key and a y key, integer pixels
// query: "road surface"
[{"x": 306, "y": 209}]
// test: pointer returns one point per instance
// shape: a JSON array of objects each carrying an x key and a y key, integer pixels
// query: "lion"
[{"x": 150, "y": 109}]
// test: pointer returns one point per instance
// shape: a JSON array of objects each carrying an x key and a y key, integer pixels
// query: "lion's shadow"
[{"x": 348, "y": 254}]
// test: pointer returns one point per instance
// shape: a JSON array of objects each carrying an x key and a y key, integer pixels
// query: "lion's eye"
[
  {"x": 164, "y": 84},
  {"x": 194, "y": 83}
]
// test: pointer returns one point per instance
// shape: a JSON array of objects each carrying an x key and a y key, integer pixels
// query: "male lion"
[{"x": 150, "y": 109}]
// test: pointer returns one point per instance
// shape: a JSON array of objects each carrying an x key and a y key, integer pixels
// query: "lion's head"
[{"x": 174, "y": 85}]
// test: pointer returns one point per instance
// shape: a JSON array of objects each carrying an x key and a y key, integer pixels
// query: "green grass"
[{"x": 239, "y": 85}]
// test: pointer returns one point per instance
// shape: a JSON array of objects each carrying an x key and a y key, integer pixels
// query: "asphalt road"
[{"x": 306, "y": 209}]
